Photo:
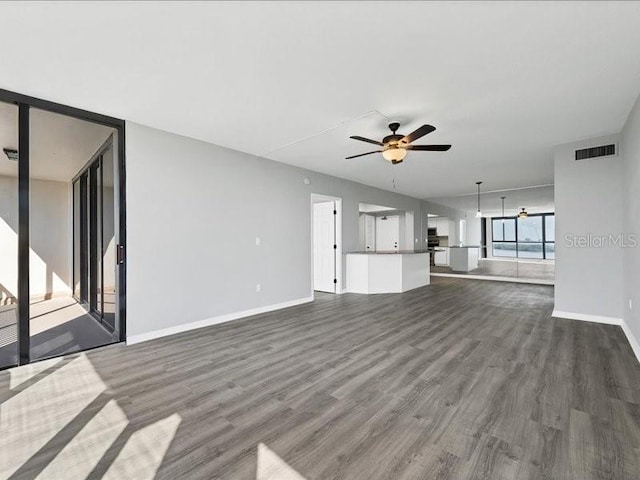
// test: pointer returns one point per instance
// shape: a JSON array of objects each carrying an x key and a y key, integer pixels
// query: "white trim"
[
  {"x": 143, "y": 337},
  {"x": 535, "y": 281},
  {"x": 635, "y": 346},
  {"x": 585, "y": 317}
]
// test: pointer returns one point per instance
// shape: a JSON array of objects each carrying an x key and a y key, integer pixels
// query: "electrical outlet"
[{"x": 258, "y": 288}]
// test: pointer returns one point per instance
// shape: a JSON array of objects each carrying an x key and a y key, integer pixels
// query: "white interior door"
[
  {"x": 387, "y": 233},
  {"x": 370, "y": 232},
  {"x": 324, "y": 253}
]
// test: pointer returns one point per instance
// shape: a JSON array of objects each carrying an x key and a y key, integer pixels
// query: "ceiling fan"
[{"x": 395, "y": 146}]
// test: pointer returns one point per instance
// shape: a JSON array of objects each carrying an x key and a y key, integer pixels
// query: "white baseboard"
[
  {"x": 496, "y": 278},
  {"x": 207, "y": 322},
  {"x": 635, "y": 346},
  {"x": 585, "y": 317}
]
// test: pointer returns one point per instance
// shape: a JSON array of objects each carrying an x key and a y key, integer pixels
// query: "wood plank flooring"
[{"x": 461, "y": 379}]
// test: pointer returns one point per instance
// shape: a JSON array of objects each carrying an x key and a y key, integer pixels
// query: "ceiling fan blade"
[
  {"x": 418, "y": 133},
  {"x": 363, "y": 154},
  {"x": 368, "y": 140},
  {"x": 429, "y": 148}
]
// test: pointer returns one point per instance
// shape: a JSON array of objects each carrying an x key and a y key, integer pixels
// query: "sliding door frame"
[{"x": 25, "y": 103}]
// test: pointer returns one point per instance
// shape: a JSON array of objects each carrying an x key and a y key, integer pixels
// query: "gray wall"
[
  {"x": 194, "y": 211},
  {"x": 630, "y": 144},
  {"x": 589, "y": 201}
]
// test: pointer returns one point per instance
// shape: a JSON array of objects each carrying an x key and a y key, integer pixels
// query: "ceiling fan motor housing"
[{"x": 391, "y": 140}]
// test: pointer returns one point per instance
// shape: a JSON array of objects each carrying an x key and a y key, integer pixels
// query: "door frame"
[
  {"x": 25, "y": 103},
  {"x": 339, "y": 256}
]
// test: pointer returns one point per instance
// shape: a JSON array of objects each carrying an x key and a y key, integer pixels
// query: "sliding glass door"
[
  {"x": 94, "y": 253},
  {"x": 62, "y": 230}
]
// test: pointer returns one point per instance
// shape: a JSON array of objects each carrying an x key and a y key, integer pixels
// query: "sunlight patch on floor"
[
  {"x": 78, "y": 458},
  {"x": 22, "y": 374},
  {"x": 31, "y": 418},
  {"x": 272, "y": 467},
  {"x": 143, "y": 453}
]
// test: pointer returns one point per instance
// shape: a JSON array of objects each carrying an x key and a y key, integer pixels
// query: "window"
[
  {"x": 504, "y": 237},
  {"x": 530, "y": 237},
  {"x": 550, "y": 236}
]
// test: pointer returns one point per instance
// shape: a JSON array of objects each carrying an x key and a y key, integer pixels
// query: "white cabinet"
[
  {"x": 442, "y": 226},
  {"x": 432, "y": 222}
]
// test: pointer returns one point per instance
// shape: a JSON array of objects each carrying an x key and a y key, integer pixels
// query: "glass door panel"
[
  {"x": 66, "y": 261},
  {"x": 109, "y": 268},
  {"x": 8, "y": 235}
]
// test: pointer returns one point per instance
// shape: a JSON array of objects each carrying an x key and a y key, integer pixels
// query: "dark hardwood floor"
[{"x": 462, "y": 379}]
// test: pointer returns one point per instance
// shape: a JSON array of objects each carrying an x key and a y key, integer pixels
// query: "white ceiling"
[
  {"x": 60, "y": 145},
  {"x": 535, "y": 200},
  {"x": 503, "y": 82}
]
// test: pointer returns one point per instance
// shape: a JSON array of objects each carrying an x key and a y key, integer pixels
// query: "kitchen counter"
[{"x": 387, "y": 272}]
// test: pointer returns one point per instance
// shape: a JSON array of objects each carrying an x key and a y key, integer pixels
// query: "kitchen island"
[
  {"x": 387, "y": 272},
  {"x": 463, "y": 258}
]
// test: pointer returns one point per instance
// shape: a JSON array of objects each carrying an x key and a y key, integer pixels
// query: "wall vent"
[{"x": 601, "y": 151}]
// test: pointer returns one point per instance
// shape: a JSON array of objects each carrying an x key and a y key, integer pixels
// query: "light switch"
[{"x": 258, "y": 241}]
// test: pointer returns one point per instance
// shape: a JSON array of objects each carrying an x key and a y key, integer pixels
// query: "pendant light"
[
  {"x": 502, "y": 219},
  {"x": 478, "y": 213},
  {"x": 523, "y": 213}
]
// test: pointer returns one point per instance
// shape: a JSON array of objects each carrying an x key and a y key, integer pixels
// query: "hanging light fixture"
[
  {"x": 502, "y": 198},
  {"x": 478, "y": 213},
  {"x": 523, "y": 213}
]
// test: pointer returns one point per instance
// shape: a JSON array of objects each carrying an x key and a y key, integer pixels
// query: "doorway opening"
[
  {"x": 326, "y": 243},
  {"x": 385, "y": 229}
]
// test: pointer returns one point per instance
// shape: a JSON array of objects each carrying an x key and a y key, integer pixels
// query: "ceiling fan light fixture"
[
  {"x": 394, "y": 154},
  {"x": 395, "y": 146},
  {"x": 523, "y": 213}
]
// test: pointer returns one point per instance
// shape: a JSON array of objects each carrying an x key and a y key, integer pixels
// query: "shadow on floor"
[{"x": 58, "y": 326}]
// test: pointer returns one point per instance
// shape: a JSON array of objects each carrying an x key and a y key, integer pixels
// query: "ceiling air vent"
[{"x": 601, "y": 151}]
